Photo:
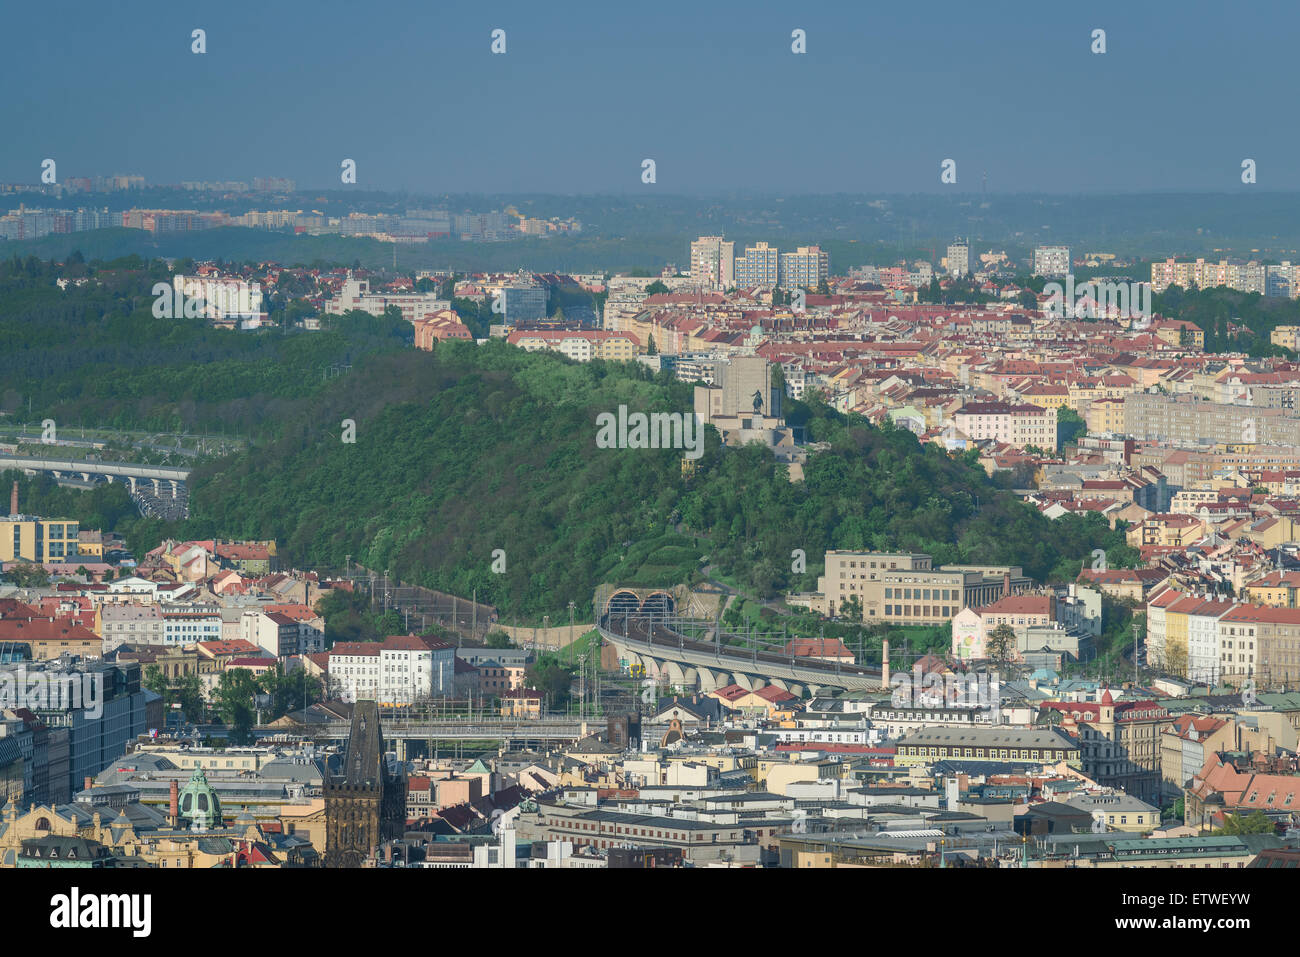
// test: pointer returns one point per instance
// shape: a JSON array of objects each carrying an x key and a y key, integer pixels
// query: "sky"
[{"x": 710, "y": 90}]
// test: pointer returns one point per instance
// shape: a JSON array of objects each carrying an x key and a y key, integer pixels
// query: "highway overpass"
[
  {"x": 156, "y": 489},
  {"x": 129, "y": 472}
]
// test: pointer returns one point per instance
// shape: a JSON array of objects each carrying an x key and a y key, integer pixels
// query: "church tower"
[{"x": 365, "y": 805}]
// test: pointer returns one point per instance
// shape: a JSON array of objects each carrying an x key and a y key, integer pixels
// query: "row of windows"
[
  {"x": 1007, "y": 753},
  {"x": 940, "y": 594},
  {"x": 922, "y": 611},
  {"x": 1254, "y": 796},
  {"x": 635, "y": 832}
]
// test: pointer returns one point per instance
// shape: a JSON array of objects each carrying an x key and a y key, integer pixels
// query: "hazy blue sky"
[{"x": 709, "y": 90}]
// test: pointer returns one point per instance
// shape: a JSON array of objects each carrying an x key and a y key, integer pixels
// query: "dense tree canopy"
[
  {"x": 472, "y": 449},
  {"x": 475, "y": 467},
  {"x": 95, "y": 354}
]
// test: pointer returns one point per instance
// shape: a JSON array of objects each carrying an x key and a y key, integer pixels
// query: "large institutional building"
[
  {"x": 356, "y": 294},
  {"x": 904, "y": 588}
]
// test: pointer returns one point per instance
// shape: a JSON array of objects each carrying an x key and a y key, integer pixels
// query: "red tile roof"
[
  {"x": 1019, "y": 605},
  {"x": 355, "y": 648},
  {"x": 230, "y": 646},
  {"x": 43, "y": 629},
  {"x": 251, "y": 663},
  {"x": 296, "y": 612},
  {"x": 1090, "y": 711}
]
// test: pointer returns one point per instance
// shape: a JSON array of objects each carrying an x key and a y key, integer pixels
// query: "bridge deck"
[
  {"x": 657, "y": 639},
  {"x": 131, "y": 469}
]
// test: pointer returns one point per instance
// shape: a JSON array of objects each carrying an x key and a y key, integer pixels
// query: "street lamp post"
[{"x": 582, "y": 687}]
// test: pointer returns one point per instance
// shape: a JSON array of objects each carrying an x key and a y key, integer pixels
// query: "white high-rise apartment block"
[
  {"x": 1052, "y": 262},
  {"x": 806, "y": 267},
  {"x": 958, "y": 259},
  {"x": 1243, "y": 276},
  {"x": 760, "y": 266},
  {"x": 223, "y": 298},
  {"x": 713, "y": 262}
]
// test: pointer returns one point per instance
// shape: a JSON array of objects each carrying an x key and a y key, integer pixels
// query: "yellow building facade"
[{"x": 38, "y": 539}]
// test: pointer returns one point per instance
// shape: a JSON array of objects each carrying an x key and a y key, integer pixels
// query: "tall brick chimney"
[
  {"x": 13, "y": 499},
  {"x": 88, "y": 782},
  {"x": 174, "y": 803},
  {"x": 884, "y": 664}
]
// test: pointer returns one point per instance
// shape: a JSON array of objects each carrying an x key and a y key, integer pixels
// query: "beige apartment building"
[
  {"x": 1278, "y": 588},
  {"x": 1185, "y": 420},
  {"x": 1105, "y": 416},
  {"x": 931, "y": 745},
  {"x": 1187, "y": 468},
  {"x": 905, "y": 589},
  {"x": 581, "y": 346},
  {"x": 1284, "y": 336},
  {"x": 1247, "y": 277},
  {"x": 1018, "y": 424},
  {"x": 1184, "y": 746},
  {"x": 1260, "y": 641},
  {"x": 1119, "y": 741}
]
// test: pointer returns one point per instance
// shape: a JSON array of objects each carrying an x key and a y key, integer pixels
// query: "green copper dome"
[{"x": 199, "y": 804}]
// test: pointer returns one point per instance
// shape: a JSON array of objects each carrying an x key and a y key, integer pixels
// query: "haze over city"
[
  {"x": 712, "y": 92},
  {"x": 524, "y": 437}
]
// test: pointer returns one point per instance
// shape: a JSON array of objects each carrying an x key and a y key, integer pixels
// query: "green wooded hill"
[
  {"x": 95, "y": 355},
  {"x": 476, "y": 448},
  {"x": 471, "y": 449}
]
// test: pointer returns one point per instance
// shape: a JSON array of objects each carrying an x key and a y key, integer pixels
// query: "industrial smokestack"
[
  {"x": 174, "y": 803},
  {"x": 884, "y": 663},
  {"x": 13, "y": 499}
]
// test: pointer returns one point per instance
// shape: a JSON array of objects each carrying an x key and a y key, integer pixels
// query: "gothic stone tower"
[{"x": 365, "y": 805}]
